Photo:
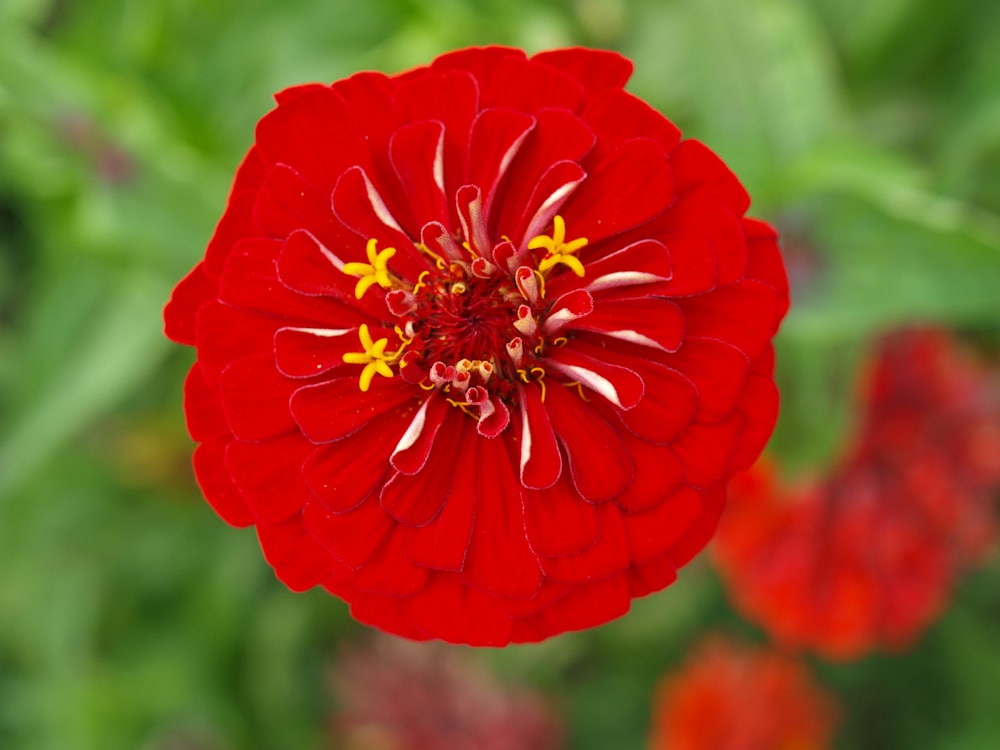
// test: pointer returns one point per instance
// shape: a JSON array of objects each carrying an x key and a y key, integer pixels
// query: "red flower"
[
  {"x": 400, "y": 696},
  {"x": 479, "y": 344},
  {"x": 866, "y": 557},
  {"x": 734, "y": 698}
]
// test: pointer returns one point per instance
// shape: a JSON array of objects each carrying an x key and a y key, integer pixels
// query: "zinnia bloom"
[
  {"x": 731, "y": 697},
  {"x": 479, "y": 344},
  {"x": 866, "y": 557},
  {"x": 396, "y": 695}
]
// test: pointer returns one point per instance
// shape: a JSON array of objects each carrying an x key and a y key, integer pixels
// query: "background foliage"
[{"x": 131, "y": 617}]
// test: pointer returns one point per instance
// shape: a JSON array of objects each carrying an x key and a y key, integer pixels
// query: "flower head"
[
  {"x": 865, "y": 557},
  {"x": 479, "y": 344},
  {"x": 730, "y": 697}
]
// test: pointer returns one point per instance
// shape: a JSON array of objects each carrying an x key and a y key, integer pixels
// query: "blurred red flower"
[
  {"x": 394, "y": 695},
  {"x": 479, "y": 344},
  {"x": 866, "y": 557},
  {"x": 729, "y": 697}
]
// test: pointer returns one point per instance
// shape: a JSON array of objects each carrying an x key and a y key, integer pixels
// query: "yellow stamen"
[
  {"x": 539, "y": 375},
  {"x": 579, "y": 388},
  {"x": 421, "y": 281},
  {"x": 558, "y": 250},
  {"x": 374, "y": 358},
  {"x": 541, "y": 283},
  {"x": 464, "y": 406},
  {"x": 375, "y": 271}
]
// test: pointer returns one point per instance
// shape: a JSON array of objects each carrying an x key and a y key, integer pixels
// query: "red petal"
[
  {"x": 181, "y": 312},
  {"x": 491, "y": 426},
  {"x": 647, "y": 321},
  {"x": 297, "y": 559},
  {"x": 368, "y": 96},
  {"x": 529, "y": 87},
  {"x": 388, "y": 613},
  {"x": 698, "y": 535},
  {"x": 632, "y": 185},
  {"x": 707, "y": 450},
  {"x": 306, "y": 352},
  {"x": 744, "y": 315},
  {"x": 351, "y": 537},
  {"x": 456, "y": 613},
  {"x": 269, "y": 476},
  {"x": 697, "y": 168},
  {"x": 389, "y": 572},
  {"x": 227, "y": 333},
  {"x": 566, "y": 309},
  {"x": 724, "y": 228},
  {"x": 608, "y": 555},
  {"x": 451, "y": 97},
  {"x": 415, "y": 500},
  {"x": 499, "y": 559},
  {"x": 586, "y": 606},
  {"x": 344, "y": 473},
  {"x": 329, "y": 411},
  {"x": 250, "y": 173},
  {"x": 653, "y": 532},
  {"x": 653, "y": 576},
  {"x": 414, "y": 447},
  {"x": 203, "y": 407},
  {"x": 358, "y": 204},
  {"x": 718, "y": 372},
  {"x": 642, "y": 262},
  {"x": 599, "y": 464},
  {"x": 658, "y": 473},
  {"x": 308, "y": 267},
  {"x": 291, "y": 92},
  {"x": 482, "y": 62},
  {"x": 557, "y": 521},
  {"x": 286, "y": 203},
  {"x": 668, "y": 404},
  {"x": 469, "y": 206},
  {"x": 443, "y": 543},
  {"x": 765, "y": 259},
  {"x": 595, "y": 69},
  {"x": 236, "y": 224},
  {"x": 547, "y": 593},
  {"x": 497, "y": 135},
  {"x": 620, "y": 386},
  {"x": 559, "y": 135},
  {"x": 541, "y": 461},
  {"x": 417, "y": 154},
  {"x": 216, "y": 484},
  {"x": 551, "y": 191},
  {"x": 255, "y": 398},
  {"x": 759, "y": 406},
  {"x": 250, "y": 281},
  {"x": 694, "y": 264},
  {"x": 314, "y": 133},
  {"x": 617, "y": 115}
]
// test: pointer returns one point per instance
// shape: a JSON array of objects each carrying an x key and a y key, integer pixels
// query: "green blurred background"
[{"x": 131, "y": 617}]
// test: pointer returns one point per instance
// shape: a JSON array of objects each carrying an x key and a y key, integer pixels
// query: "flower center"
[
  {"x": 457, "y": 317},
  {"x": 475, "y": 325}
]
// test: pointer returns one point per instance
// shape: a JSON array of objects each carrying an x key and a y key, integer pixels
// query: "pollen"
[
  {"x": 375, "y": 271},
  {"x": 374, "y": 358},
  {"x": 557, "y": 249}
]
